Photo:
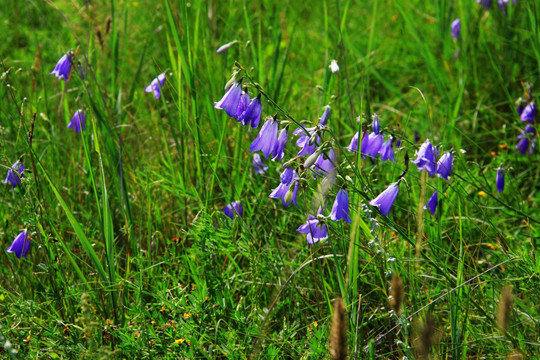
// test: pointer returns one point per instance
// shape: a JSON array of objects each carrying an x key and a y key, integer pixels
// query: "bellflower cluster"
[
  {"x": 373, "y": 144},
  {"x": 15, "y": 174},
  {"x": 314, "y": 229},
  {"x": 238, "y": 104},
  {"x": 288, "y": 178}
]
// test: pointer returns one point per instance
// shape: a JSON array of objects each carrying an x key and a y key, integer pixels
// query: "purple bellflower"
[
  {"x": 267, "y": 139},
  {"x": 324, "y": 164},
  {"x": 528, "y": 113},
  {"x": 376, "y": 125},
  {"x": 304, "y": 141},
  {"x": 455, "y": 28},
  {"x": 371, "y": 144},
  {"x": 233, "y": 208},
  {"x": 284, "y": 191},
  {"x": 78, "y": 121},
  {"x": 386, "y": 199},
  {"x": 432, "y": 203},
  {"x": 63, "y": 67},
  {"x": 20, "y": 245},
  {"x": 524, "y": 142},
  {"x": 445, "y": 165},
  {"x": 340, "y": 209},
  {"x": 252, "y": 112},
  {"x": 323, "y": 121},
  {"x": 353, "y": 146},
  {"x": 314, "y": 229},
  {"x": 387, "y": 151},
  {"x": 229, "y": 101},
  {"x": 425, "y": 158},
  {"x": 242, "y": 105},
  {"x": 156, "y": 85},
  {"x": 500, "y": 179},
  {"x": 258, "y": 165},
  {"x": 279, "y": 148},
  {"x": 15, "y": 174}
]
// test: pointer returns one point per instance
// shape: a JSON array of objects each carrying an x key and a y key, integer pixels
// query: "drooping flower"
[
  {"x": 425, "y": 158},
  {"x": 15, "y": 174},
  {"x": 524, "y": 144},
  {"x": 340, "y": 209},
  {"x": 279, "y": 148},
  {"x": 314, "y": 229},
  {"x": 242, "y": 105},
  {"x": 500, "y": 179},
  {"x": 267, "y": 138},
  {"x": 252, "y": 113},
  {"x": 353, "y": 146},
  {"x": 386, "y": 199},
  {"x": 20, "y": 245},
  {"x": 485, "y": 3},
  {"x": 432, "y": 203},
  {"x": 376, "y": 125},
  {"x": 528, "y": 113},
  {"x": 323, "y": 121},
  {"x": 229, "y": 101},
  {"x": 156, "y": 85},
  {"x": 225, "y": 47},
  {"x": 334, "y": 66},
  {"x": 258, "y": 165},
  {"x": 324, "y": 164},
  {"x": 445, "y": 166},
  {"x": 78, "y": 121},
  {"x": 307, "y": 143},
  {"x": 233, "y": 208},
  {"x": 288, "y": 178},
  {"x": 63, "y": 67},
  {"x": 373, "y": 143},
  {"x": 456, "y": 28},
  {"x": 387, "y": 150}
]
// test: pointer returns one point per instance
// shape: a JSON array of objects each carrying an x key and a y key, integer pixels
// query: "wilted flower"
[
  {"x": 432, "y": 203},
  {"x": 386, "y": 199},
  {"x": 20, "y": 245},
  {"x": 528, "y": 113},
  {"x": 252, "y": 113},
  {"x": 325, "y": 116},
  {"x": 225, "y": 47},
  {"x": 78, "y": 121},
  {"x": 233, "y": 208},
  {"x": 229, "y": 101},
  {"x": 334, "y": 66},
  {"x": 324, "y": 165},
  {"x": 387, "y": 150},
  {"x": 425, "y": 158},
  {"x": 279, "y": 148},
  {"x": 340, "y": 209},
  {"x": 258, "y": 165},
  {"x": 284, "y": 191},
  {"x": 156, "y": 85},
  {"x": 500, "y": 179},
  {"x": 305, "y": 141},
  {"x": 353, "y": 146},
  {"x": 445, "y": 166},
  {"x": 267, "y": 138},
  {"x": 63, "y": 67},
  {"x": 456, "y": 28},
  {"x": 15, "y": 174},
  {"x": 314, "y": 229}
]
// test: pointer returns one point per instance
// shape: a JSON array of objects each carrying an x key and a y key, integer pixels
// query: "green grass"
[{"x": 132, "y": 256}]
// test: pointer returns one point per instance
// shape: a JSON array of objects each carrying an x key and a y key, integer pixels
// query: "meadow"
[{"x": 269, "y": 180}]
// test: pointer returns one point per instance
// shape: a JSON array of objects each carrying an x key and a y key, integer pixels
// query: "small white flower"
[{"x": 334, "y": 66}]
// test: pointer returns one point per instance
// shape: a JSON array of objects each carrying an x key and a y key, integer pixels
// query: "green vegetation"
[{"x": 132, "y": 256}]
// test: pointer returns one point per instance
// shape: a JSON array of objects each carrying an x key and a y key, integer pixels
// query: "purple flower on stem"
[
  {"x": 284, "y": 191},
  {"x": 267, "y": 139},
  {"x": 500, "y": 179},
  {"x": 63, "y": 67},
  {"x": 324, "y": 164},
  {"x": 445, "y": 166},
  {"x": 156, "y": 85},
  {"x": 376, "y": 125},
  {"x": 305, "y": 142},
  {"x": 524, "y": 144},
  {"x": 432, "y": 203},
  {"x": 387, "y": 150},
  {"x": 323, "y": 121},
  {"x": 15, "y": 174},
  {"x": 353, "y": 146},
  {"x": 456, "y": 28},
  {"x": 371, "y": 144},
  {"x": 425, "y": 158},
  {"x": 340, "y": 209},
  {"x": 233, "y": 208},
  {"x": 528, "y": 113},
  {"x": 229, "y": 101},
  {"x": 279, "y": 148},
  {"x": 20, "y": 245},
  {"x": 314, "y": 229},
  {"x": 78, "y": 121},
  {"x": 242, "y": 106},
  {"x": 258, "y": 165},
  {"x": 386, "y": 199},
  {"x": 252, "y": 113}
]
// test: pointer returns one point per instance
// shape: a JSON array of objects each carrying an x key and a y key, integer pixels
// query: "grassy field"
[{"x": 131, "y": 254}]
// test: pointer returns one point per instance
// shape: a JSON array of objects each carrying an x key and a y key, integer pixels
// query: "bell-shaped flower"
[
  {"x": 353, "y": 146},
  {"x": 288, "y": 178},
  {"x": 386, "y": 199},
  {"x": 334, "y": 66},
  {"x": 500, "y": 179},
  {"x": 258, "y": 165},
  {"x": 340, "y": 209},
  {"x": 323, "y": 121},
  {"x": 78, "y": 121},
  {"x": 156, "y": 85},
  {"x": 229, "y": 101},
  {"x": 376, "y": 125},
  {"x": 387, "y": 150},
  {"x": 63, "y": 67},
  {"x": 445, "y": 166},
  {"x": 242, "y": 105},
  {"x": 528, "y": 113},
  {"x": 279, "y": 148},
  {"x": 432, "y": 203},
  {"x": 252, "y": 113},
  {"x": 524, "y": 144},
  {"x": 20, "y": 245},
  {"x": 233, "y": 208},
  {"x": 314, "y": 230},
  {"x": 267, "y": 138},
  {"x": 324, "y": 164},
  {"x": 307, "y": 143},
  {"x": 373, "y": 143},
  {"x": 456, "y": 28},
  {"x": 425, "y": 158},
  {"x": 15, "y": 174}
]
